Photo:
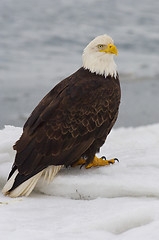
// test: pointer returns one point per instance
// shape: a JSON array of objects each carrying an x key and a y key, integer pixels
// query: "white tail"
[{"x": 27, "y": 187}]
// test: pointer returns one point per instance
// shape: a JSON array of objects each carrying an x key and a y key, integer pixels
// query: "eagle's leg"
[
  {"x": 96, "y": 162},
  {"x": 101, "y": 162}
]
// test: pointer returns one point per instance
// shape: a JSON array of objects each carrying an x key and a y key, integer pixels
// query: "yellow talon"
[
  {"x": 96, "y": 162},
  {"x": 79, "y": 162},
  {"x": 100, "y": 162}
]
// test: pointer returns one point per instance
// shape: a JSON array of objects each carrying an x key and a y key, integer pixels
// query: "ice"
[{"x": 117, "y": 202}]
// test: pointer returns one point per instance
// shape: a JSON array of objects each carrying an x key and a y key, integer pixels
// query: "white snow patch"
[{"x": 123, "y": 198}]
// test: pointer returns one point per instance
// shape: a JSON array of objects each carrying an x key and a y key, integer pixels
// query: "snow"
[{"x": 117, "y": 202}]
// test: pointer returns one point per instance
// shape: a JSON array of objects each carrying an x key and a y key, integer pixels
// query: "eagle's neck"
[{"x": 102, "y": 64}]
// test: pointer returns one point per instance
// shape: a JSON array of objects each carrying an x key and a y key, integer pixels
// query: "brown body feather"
[{"x": 72, "y": 121}]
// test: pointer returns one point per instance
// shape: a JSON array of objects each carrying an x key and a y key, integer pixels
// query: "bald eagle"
[{"x": 71, "y": 122}]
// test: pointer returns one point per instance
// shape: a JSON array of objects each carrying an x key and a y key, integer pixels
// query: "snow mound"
[{"x": 135, "y": 175}]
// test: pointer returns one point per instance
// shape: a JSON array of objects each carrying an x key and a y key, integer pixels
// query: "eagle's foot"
[
  {"x": 101, "y": 162},
  {"x": 81, "y": 162},
  {"x": 96, "y": 162}
]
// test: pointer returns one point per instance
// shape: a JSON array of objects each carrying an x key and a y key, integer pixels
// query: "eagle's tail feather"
[
  {"x": 50, "y": 172},
  {"x": 25, "y": 187}
]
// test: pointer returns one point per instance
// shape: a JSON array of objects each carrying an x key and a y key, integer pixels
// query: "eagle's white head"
[{"x": 98, "y": 56}]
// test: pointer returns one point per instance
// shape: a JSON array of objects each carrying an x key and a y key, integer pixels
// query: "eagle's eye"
[{"x": 100, "y": 46}]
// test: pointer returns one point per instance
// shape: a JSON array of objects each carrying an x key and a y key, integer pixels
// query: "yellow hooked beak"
[{"x": 111, "y": 48}]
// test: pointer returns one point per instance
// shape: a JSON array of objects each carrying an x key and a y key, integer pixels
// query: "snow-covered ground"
[{"x": 114, "y": 202}]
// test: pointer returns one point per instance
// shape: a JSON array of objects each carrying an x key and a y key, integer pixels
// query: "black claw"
[
  {"x": 82, "y": 165},
  {"x": 104, "y": 158},
  {"x": 110, "y": 162},
  {"x": 115, "y": 159}
]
